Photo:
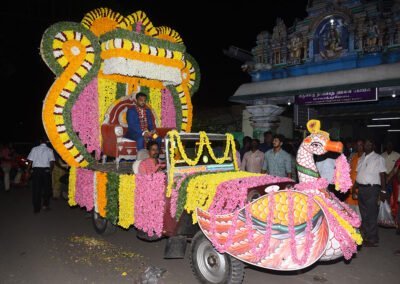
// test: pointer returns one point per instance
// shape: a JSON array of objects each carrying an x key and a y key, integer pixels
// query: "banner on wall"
[{"x": 337, "y": 97}]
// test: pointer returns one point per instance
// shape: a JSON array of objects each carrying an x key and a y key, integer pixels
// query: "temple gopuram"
[{"x": 341, "y": 61}]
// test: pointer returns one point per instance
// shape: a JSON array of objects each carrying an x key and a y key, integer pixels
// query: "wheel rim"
[
  {"x": 99, "y": 222},
  {"x": 212, "y": 265}
]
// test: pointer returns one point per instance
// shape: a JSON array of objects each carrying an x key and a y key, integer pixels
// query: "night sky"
[{"x": 207, "y": 27}]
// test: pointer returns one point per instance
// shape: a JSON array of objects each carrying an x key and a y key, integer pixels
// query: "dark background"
[{"x": 207, "y": 27}]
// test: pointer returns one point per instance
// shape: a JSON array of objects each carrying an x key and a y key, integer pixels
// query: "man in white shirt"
[
  {"x": 371, "y": 173},
  {"x": 253, "y": 160},
  {"x": 41, "y": 161}
]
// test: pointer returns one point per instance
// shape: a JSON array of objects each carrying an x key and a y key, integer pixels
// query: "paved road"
[{"x": 60, "y": 246}]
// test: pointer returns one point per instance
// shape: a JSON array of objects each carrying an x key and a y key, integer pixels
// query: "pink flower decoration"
[
  {"x": 85, "y": 118},
  {"x": 232, "y": 194},
  {"x": 84, "y": 188},
  {"x": 308, "y": 232},
  {"x": 150, "y": 203},
  {"x": 341, "y": 177},
  {"x": 312, "y": 185},
  {"x": 168, "y": 112},
  {"x": 347, "y": 244}
]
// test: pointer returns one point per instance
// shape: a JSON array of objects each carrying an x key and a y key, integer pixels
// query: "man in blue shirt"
[
  {"x": 140, "y": 120},
  {"x": 277, "y": 162}
]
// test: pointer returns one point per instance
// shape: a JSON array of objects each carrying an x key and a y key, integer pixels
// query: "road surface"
[{"x": 61, "y": 246}]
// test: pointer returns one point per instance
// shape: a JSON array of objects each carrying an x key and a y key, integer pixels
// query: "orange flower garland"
[{"x": 101, "y": 179}]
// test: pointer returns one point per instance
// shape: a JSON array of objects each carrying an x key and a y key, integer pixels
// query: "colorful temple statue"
[
  {"x": 342, "y": 30},
  {"x": 100, "y": 62}
]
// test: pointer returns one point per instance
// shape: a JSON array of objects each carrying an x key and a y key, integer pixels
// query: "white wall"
[{"x": 285, "y": 128}]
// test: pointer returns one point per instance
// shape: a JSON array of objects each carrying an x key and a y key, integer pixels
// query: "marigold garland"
[
  {"x": 126, "y": 200},
  {"x": 101, "y": 179},
  {"x": 72, "y": 186},
  {"x": 176, "y": 143}
]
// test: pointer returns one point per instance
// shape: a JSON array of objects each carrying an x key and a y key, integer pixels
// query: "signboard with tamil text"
[{"x": 337, "y": 97}]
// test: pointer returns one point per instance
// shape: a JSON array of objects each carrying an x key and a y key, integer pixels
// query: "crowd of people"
[
  {"x": 273, "y": 156},
  {"x": 375, "y": 176},
  {"x": 43, "y": 169},
  {"x": 12, "y": 167}
]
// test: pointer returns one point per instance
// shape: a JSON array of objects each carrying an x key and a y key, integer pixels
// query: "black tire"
[
  {"x": 101, "y": 225},
  {"x": 145, "y": 237},
  {"x": 211, "y": 267}
]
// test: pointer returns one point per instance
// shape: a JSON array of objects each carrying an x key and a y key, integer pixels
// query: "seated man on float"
[
  {"x": 140, "y": 123},
  {"x": 152, "y": 164}
]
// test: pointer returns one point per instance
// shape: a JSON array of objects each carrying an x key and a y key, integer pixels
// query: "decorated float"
[{"x": 235, "y": 217}]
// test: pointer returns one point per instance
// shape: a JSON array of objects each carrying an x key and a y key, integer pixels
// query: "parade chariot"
[{"x": 230, "y": 217}]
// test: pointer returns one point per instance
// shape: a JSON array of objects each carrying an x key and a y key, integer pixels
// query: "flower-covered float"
[
  {"x": 102, "y": 60},
  {"x": 288, "y": 229},
  {"x": 99, "y": 63}
]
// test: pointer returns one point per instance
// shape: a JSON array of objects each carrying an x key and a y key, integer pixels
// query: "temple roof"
[{"x": 375, "y": 76}]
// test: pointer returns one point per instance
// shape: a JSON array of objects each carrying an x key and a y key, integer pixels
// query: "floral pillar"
[{"x": 264, "y": 118}]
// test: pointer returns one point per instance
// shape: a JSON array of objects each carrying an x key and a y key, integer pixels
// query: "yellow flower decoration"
[
  {"x": 72, "y": 186},
  {"x": 356, "y": 236},
  {"x": 126, "y": 200},
  {"x": 155, "y": 103},
  {"x": 201, "y": 189},
  {"x": 102, "y": 20}
]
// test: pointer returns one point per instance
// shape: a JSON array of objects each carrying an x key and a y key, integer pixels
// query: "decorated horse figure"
[{"x": 291, "y": 227}]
